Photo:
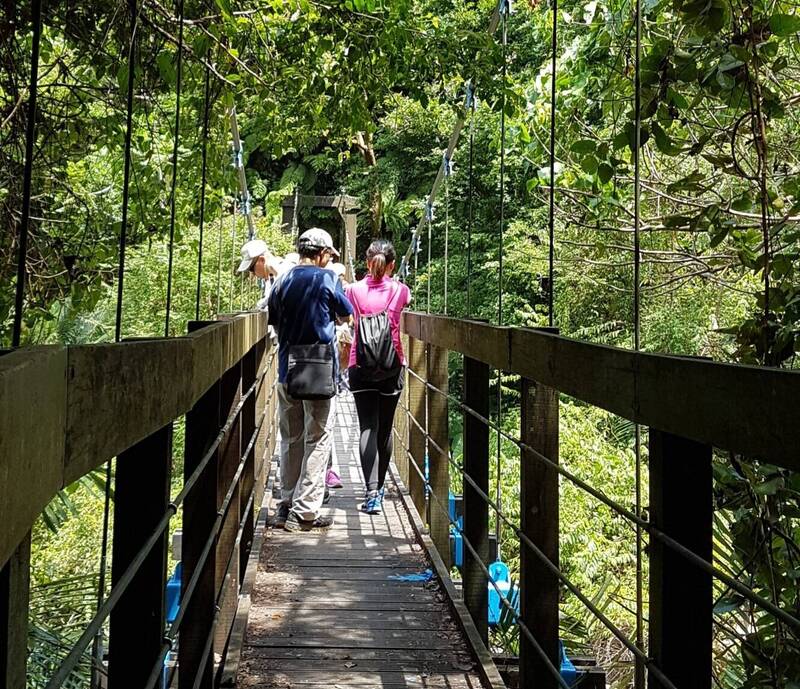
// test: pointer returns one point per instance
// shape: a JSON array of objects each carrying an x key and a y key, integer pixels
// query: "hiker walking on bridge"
[
  {"x": 303, "y": 307},
  {"x": 377, "y": 364}
]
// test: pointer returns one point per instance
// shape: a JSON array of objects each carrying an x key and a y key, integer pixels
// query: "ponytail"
[
  {"x": 380, "y": 256},
  {"x": 377, "y": 266}
]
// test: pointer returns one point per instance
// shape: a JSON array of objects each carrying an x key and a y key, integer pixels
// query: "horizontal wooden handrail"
[
  {"x": 66, "y": 410},
  {"x": 747, "y": 409}
]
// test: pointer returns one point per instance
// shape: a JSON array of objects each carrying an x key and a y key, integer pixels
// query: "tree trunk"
[{"x": 365, "y": 146}]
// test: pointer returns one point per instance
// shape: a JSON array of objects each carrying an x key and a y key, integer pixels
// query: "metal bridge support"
[
  {"x": 438, "y": 430},
  {"x": 539, "y": 586},
  {"x": 141, "y": 496},
  {"x": 14, "y": 598},
  {"x": 681, "y": 602},
  {"x": 476, "y": 511},
  {"x": 417, "y": 395}
]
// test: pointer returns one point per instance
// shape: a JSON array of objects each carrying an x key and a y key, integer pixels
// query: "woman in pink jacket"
[{"x": 379, "y": 301}]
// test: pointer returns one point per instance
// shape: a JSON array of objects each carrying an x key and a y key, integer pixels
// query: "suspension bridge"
[{"x": 371, "y": 603}]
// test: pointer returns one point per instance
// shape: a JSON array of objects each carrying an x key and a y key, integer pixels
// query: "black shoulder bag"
[{"x": 310, "y": 374}]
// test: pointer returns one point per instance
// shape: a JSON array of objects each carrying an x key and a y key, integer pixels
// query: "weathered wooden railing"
[
  {"x": 65, "y": 411},
  {"x": 690, "y": 406}
]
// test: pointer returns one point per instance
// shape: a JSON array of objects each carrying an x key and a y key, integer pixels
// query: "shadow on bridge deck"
[{"x": 328, "y": 611}]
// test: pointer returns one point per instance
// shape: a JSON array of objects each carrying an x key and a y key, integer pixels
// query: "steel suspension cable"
[
  {"x": 494, "y": 22},
  {"x": 27, "y": 175},
  {"x": 234, "y": 230},
  {"x": 219, "y": 251},
  {"x": 123, "y": 238},
  {"x": 126, "y": 175},
  {"x": 470, "y": 199},
  {"x": 639, "y": 670},
  {"x": 448, "y": 171},
  {"x": 428, "y": 266},
  {"x": 551, "y": 222},
  {"x": 506, "y": 7},
  {"x": 203, "y": 176},
  {"x": 174, "y": 184}
]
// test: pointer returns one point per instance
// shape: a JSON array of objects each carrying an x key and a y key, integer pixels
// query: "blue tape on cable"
[
  {"x": 427, "y": 575},
  {"x": 428, "y": 211},
  {"x": 469, "y": 99},
  {"x": 237, "y": 159}
]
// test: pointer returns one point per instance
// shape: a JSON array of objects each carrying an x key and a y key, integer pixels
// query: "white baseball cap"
[
  {"x": 250, "y": 252},
  {"x": 317, "y": 238},
  {"x": 337, "y": 269}
]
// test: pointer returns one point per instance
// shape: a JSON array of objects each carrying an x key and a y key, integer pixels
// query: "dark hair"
[
  {"x": 306, "y": 250},
  {"x": 380, "y": 254}
]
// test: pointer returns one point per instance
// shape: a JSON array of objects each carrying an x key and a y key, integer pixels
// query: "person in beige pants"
[{"x": 303, "y": 306}]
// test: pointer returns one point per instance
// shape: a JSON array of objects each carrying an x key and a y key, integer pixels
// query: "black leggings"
[{"x": 375, "y": 417}]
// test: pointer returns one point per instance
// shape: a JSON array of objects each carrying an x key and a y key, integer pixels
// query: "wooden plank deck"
[{"x": 327, "y": 611}]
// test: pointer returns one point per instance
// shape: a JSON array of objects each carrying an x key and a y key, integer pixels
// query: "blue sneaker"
[{"x": 372, "y": 503}]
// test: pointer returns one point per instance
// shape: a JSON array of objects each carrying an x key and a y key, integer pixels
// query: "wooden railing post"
[
  {"x": 141, "y": 497},
  {"x": 539, "y": 587},
  {"x": 199, "y": 512},
  {"x": 248, "y": 481},
  {"x": 227, "y": 546},
  {"x": 438, "y": 430},
  {"x": 476, "y": 511},
  {"x": 262, "y": 404},
  {"x": 399, "y": 453},
  {"x": 681, "y": 505},
  {"x": 14, "y": 601},
  {"x": 416, "y": 438}
]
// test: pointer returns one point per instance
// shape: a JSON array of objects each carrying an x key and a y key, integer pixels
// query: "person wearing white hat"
[
  {"x": 302, "y": 307},
  {"x": 257, "y": 259}
]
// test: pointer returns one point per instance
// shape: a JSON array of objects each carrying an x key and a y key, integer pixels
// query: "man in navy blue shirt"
[{"x": 303, "y": 307}]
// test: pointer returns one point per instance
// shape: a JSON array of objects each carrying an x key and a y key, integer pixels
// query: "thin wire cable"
[
  {"x": 27, "y": 175},
  {"x": 639, "y": 668},
  {"x": 203, "y": 175},
  {"x": 428, "y": 266},
  {"x": 234, "y": 230},
  {"x": 551, "y": 223},
  {"x": 219, "y": 252},
  {"x": 446, "y": 233},
  {"x": 470, "y": 209},
  {"x": 126, "y": 175},
  {"x": 494, "y": 22},
  {"x": 499, "y": 458},
  {"x": 174, "y": 184},
  {"x": 123, "y": 238},
  {"x": 654, "y": 532}
]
